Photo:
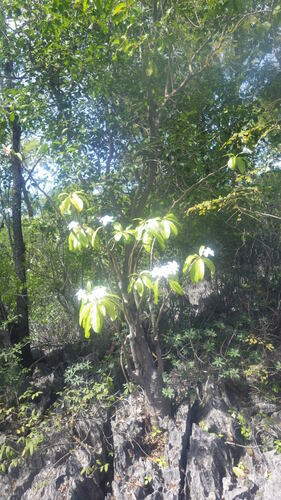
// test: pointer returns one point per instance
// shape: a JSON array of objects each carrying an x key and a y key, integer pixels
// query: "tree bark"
[
  {"x": 147, "y": 373},
  {"x": 20, "y": 330}
]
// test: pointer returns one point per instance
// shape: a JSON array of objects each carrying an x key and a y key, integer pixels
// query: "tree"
[{"x": 132, "y": 294}]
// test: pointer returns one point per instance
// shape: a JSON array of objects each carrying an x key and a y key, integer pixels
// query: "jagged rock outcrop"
[
  {"x": 194, "y": 455},
  {"x": 149, "y": 461}
]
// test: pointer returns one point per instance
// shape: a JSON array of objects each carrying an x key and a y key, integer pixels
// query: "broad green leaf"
[
  {"x": 166, "y": 229},
  {"x": 197, "y": 270},
  {"x": 96, "y": 319},
  {"x": 172, "y": 218},
  {"x": 138, "y": 286},
  {"x": 240, "y": 164},
  {"x": 77, "y": 202},
  {"x": 176, "y": 287},
  {"x": 232, "y": 162},
  {"x": 147, "y": 281},
  {"x": 95, "y": 241},
  {"x": 201, "y": 250},
  {"x": 102, "y": 309},
  {"x": 118, "y": 236},
  {"x": 110, "y": 308},
  {"x": 209, "y": 264},
  {"x": 64, "y": 206},
  {"x": 131, "y": 284},
  {"x": 174, "y": 228},
  {"x": 160, "y": 240},
  {"x": 71, "y": 242},
  {"x": 187, "y": 262}
]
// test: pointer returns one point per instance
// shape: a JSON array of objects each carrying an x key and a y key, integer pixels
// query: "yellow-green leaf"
[
  {"x": 77, "y": 202},
  {"x": 188, "y": 261},
  {"x": 175, "y": 286},
  {"x": 120, "y": 7}
]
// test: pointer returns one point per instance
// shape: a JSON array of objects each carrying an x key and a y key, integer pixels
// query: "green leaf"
[
  {"x": 174, "y": 228},
  {"x": 232, "y": 162},
  {"x": 176, "y": 287},
  {"x": 138, "y": 286},
  {"x": 77, "y": 202},
  {"x": 187, "y": 262},
  {"x": 110, "y": 308},
  {"x": 166, "y": 225},
  {"x": 160, "y": 240},
  {"x": 240, "y": 164},
  {"x": 64, "y": 206},
  {"x": 201, "y": 250},
  {"x": 131, "y": 284},
  {"x": 71, "y": 238},
  {"x": 120, "y": 7},
  {"x": 118, "y": 236},
  {"x": 96, "y": 319},
  {"x": 147, "y": 282},
  {"x": 209, "y": 264},
  {"x": 102, "y": 309},
  {"x": 237, "y": 162},
  {"x": 155, "y": 290},
  {"x": 19, "y": 156},
  {"x": 197, "y": 271},
  {"x": 95, "y": 241}
]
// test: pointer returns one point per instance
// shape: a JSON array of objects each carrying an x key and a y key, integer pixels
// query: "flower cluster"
[
  {"x": 97, "y": 293},
  {"x": 169, "y": 269},
  {"x": 208, "y": 251},
  {"x": 106, "y": 219},
  {"x": 73, "y": 225}
]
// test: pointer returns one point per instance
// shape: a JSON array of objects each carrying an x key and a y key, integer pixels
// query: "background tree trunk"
[{"x": 19, "y": 331}]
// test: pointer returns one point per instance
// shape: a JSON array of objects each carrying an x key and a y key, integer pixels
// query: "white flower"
[
  {"x": 7, "y": 150},
  {"x": 98, "y": 293},
  {"x": 97, "y": 190},
  {"x": 81, "y": 294},
  {"x": 73, "y": 225},
  {"x": 208, "y": 251},
  {"x": 246, "y": 151},
  {"x": 106, "y": 219},
  {"x": 169, "y": 269}
]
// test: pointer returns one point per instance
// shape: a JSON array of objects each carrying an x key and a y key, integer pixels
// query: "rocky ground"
[{"x": 116, "y": 453}]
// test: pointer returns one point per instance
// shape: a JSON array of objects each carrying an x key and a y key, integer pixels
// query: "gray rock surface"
[
  {"x": 190, "y": 456},
  {"x": 148, "y": 462}
]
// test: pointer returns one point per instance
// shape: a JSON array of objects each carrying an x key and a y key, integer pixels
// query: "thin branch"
[{"x": 175, "y": 202}]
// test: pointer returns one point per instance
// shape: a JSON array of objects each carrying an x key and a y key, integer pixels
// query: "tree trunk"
[
  {"x": 146, "y": 372},
  {"x": 20, "y": 330}
]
